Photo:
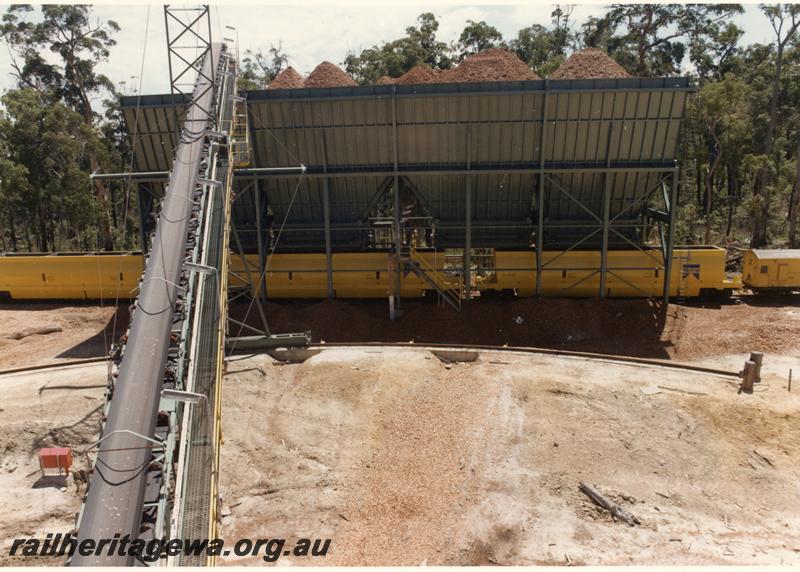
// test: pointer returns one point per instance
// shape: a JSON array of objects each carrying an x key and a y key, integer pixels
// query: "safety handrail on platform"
[{"x": 450, "y": 291}]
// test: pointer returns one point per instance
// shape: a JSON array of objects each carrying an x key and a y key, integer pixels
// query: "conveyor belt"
[{"x": 131, "y": 475}]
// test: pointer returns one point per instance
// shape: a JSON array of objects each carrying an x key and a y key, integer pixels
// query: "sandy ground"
[
  {"x": 86, "y": 331},
  {"x": 401, "y": 460},
  {"x": 44, "y": 409}
]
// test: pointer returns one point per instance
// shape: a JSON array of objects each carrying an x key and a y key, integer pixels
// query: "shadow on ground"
[
  {"x": 51, "y": 481},
  {"x": 96, "y": 346},
  {"x": 632, "y": 327}
]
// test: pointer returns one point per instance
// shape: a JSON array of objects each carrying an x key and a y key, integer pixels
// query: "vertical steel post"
[
  {"x": 326, "y": 213},
  {"x": 540, "y": 193},
  {"x": 671, "y": 207},
  {"x": 398, "y": 239},
  {"x": 326, "y": 208},
  {"x": 467, "y": 274},
  {"x": 262, "y": 277},
  {"x": 606, "y": 213},
  {"x": 262, "y": 280},
  {"x": 246, "y": 264},
  {"x": 604, "y": 250}
]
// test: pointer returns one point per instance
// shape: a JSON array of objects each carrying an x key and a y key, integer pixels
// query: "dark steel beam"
[
  {"x": 671, "y": 208},
  {"x": 397, "y": 230},
  {"x": 326, "y": 215},
  {"x": 261, "y": 285},
  {"x": 604, "y": 247},
  {"x": 467, "y": 272},
  {"x": 243, "y": 258},
  {"x": 476, "y": 169},
  {"x": 540, "y": 192},
  {"x": 607, "y": 177},
  {"x": 261, "y": 289},
  {"x": 380, "y": 171}
]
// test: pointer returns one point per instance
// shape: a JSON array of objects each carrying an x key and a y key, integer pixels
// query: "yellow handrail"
[{"x": 456, "y": 288}]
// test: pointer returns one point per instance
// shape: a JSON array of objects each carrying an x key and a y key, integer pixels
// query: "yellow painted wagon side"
[
  {"x": 91, "y": 276},
  {"x": 771, "y": 269}
]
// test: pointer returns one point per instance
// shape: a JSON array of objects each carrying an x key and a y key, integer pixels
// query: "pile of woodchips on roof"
[
  {"x": 287, "y": 79},
  {"x": 494, "y": 64},
  {"x": 327, "y": 74},
  {"x": 590, "y": 63}
]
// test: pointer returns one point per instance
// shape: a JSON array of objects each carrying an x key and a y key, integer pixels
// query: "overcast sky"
[{"x": 311, "y": 33}]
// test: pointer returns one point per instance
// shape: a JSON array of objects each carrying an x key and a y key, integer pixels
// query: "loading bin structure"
[{"x": 546, "y": 167}]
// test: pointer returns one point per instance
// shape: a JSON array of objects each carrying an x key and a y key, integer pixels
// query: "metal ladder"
[
  {"x": 240, "y": 137},
  {"x": 448, "y": 291}
]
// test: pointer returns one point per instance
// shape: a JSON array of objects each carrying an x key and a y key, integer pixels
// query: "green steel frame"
[{"x": 350, "y": 159}]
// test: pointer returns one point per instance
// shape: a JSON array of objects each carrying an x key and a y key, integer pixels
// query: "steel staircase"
[{"x": 449, "y": 290}]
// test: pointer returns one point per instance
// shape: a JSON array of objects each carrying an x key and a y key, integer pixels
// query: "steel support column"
[
  {"x": 540, "y": 192},
  {"x": 326, "y": 208},
  {"x": 246, "y": 264},
  {"x": 606, "y": 214},
  {"x": 326, "y": 213},
  {"x": 262, "y": 267},
  {"x": 671, "y": 208},
  {"x": 604, "y": 248},
  {"x": 467, "y": 274},
  {"x": 398, "y": 239}
]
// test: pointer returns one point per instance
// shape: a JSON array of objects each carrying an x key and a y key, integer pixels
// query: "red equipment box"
[{"x": 55, "y": 460}]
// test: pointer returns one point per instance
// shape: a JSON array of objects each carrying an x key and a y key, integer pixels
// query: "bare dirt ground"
[
  {"x": 684, "y": 331},
  {"x": 400, "y": 459},
  {"x": 85, "y": 332},
  {"x": 44, "y": 409},
  {"x": 632, "y": 327}
]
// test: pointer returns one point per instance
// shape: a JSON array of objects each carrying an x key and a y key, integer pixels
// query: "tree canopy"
[{"x": 67, "y": 80}]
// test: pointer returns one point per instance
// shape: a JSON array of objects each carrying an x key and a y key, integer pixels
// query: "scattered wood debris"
[
  {"x": 35, "y": 331},
  {"x": 688, "y": 392},
  {"x": 615, "y": 510},
  {"x": 763, "y": 457}
]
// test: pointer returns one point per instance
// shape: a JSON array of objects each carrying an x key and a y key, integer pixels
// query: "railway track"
[{"x": 630, "y": 360}]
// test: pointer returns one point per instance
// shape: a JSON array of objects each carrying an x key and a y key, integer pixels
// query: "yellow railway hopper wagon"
[
  {"x": 70, "y": 276},
  {"x": 771, "y": 270},
  {"x": 697, "y": 270},
  {"x": 631, "y": 273},
  {"x": 355, "y": 275}
]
